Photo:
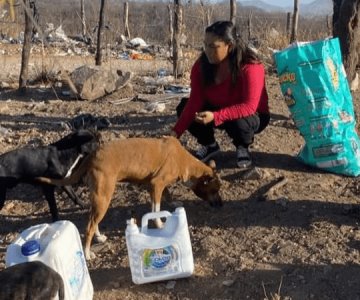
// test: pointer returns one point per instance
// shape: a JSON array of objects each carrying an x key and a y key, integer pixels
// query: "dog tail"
[{"x": 73, "y": 178}]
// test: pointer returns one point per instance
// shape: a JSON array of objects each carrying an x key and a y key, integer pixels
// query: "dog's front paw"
[
  {"x": 159, "y": 224},
  {"x": 89, "y": 255},
  {"x": 101, "y": 238}
]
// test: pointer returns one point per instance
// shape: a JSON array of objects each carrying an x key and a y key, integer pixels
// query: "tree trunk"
[
  {"x": 176, "y": 40},
  {"x": 98, "y": 57},
  {"x": 83, "y": 20},
  {"x": 25, "y": 56},
  {"x": 346, "y": 19},
  {"x": 249, "y": 25},
  {"x": 293, "y": 37},
  {"x": 126, "y": 20},
  {"x": 288, "y": 24},
  {"x": 171, "y": 28},
  {"x": 233, "y": 11}
]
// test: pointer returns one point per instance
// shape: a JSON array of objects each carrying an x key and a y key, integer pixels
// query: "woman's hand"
[{"x": 204, "y": 117}]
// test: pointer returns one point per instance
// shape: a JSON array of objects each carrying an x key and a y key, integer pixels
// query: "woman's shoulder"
[
  {"x": 255, "y": 66},
  {"x": 196, "y": 68},
  {"x": 197, "y": 65}
]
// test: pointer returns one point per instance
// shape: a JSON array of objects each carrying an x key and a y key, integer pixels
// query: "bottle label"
[
  {"x": 77, "y": 273},
  {"x": 160, "y": 261}
]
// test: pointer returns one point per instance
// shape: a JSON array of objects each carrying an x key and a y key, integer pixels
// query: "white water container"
[
  {"x": 58, "y": 245},
  {"x": 160, "y": 254}
]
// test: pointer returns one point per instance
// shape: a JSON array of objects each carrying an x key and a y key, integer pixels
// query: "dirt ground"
[{"x": 301, "y": 243}]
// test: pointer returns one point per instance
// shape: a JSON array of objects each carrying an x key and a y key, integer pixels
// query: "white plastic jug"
[
  {"x": 160, "y": 254},
  {"x": 58, "y": 245}
]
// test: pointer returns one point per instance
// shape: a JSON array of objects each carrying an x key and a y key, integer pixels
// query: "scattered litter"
[
  {"x": 138, "y": 42},
  {"x": 162, "y": 72},
  {"x": 142, "y": 56},
  {"x": 66, "y": 93},
  {"x": 155, "y": 107},
  {"x": 176, "y": 89}
]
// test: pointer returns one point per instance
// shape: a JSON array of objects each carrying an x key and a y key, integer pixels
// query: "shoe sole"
[{"x": 211, "y": 155}]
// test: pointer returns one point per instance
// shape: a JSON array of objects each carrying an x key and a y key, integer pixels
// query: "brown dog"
[{"x": 158, "y": 162}]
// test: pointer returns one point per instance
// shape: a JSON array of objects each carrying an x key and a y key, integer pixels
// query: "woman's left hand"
[{"x": 204, "y": 117}]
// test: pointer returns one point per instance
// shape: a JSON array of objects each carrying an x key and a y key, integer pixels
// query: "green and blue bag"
[{"x": 313, "y": 81}]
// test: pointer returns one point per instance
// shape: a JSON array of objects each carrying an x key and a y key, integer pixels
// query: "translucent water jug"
[
  {"x": 58, "y": 245},
  {"x": 160, "y": 254}
]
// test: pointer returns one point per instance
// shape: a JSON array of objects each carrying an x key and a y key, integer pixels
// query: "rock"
[{"x": 93, "y": 82}]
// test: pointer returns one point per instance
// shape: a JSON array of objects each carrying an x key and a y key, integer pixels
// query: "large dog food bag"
[{"x": 313, "y": 82}]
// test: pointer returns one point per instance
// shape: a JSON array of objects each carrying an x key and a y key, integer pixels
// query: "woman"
[{"x": 227, "y": 92}]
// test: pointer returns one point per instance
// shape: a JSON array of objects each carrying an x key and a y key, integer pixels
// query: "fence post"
[
  {"x": 171, "y": 28},
  {"x": 288, "y": 24},
  {"x": 233, "y": 11},
  {"x": 83, "y": 21},
  {"x": 295, "y": 22},
  {"x": 98, "y": 57},
  {"x": 249, "y": 25},
  {"x": 176, "y": 39},
  {"x": 25, "y": 56},
  {"x": 329, "y": 24},
  {"x": 126, "y": 20}
]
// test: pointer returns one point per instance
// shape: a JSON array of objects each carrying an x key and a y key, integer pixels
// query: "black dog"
[
  {"x": 31, "y": 280},
  {"x": 55, "y": 160}
]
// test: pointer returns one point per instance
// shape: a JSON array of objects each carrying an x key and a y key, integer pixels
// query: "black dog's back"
[
  {"x": 30, "y": 280},
  {"x": 55, "y": 160}
]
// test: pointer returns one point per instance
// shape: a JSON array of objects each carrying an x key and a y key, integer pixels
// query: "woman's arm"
[
  {"x": 194, "y": 104},
  {"x": 252, "y": 84}
]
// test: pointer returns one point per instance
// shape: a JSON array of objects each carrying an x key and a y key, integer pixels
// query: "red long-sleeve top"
[{"x": 243, "y": 99}]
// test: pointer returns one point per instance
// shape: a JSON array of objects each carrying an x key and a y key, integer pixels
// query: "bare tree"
[
  {"x": 98, "y": 57},
  {"x": 25, "y": 56},
  {"x": 177, "y": 54},
  {"x": 293, "y": 37},
  {"x": 205, "y": 13},
  {"x": 233, "y": 11},
  {"x": 346, "y": 19},
  {"x": 83, "y": 20},
  {"x": 171, "y": 28},
  {"x": 126, "y": 20}
]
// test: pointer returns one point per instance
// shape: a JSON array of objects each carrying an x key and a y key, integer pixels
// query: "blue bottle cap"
[{"x": 30, "y": 247}]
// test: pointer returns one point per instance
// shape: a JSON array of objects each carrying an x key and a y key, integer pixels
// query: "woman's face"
[{"x": 216, "y": 50}]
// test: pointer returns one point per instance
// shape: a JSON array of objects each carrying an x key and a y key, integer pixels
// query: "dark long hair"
[{"x": 239, "y": 55}]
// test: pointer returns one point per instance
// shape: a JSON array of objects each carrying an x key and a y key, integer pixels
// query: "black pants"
[{"x": 241, "y": 131}]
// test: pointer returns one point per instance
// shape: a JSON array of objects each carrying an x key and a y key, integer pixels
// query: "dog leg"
[
  {"x": 99, "y": 238},
  {"x": 49, "y": 191},
  {"x": 101, "y": 197},
  {"x": 71, "y": 194},
  {"x": 156, "y": 194}
]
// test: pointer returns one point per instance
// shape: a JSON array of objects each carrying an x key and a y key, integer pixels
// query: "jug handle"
[
  {"x": 153, "y": 215},
  {"x": 37, "y": 234}
]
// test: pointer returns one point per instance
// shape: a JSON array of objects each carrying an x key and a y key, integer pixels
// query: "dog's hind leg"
[
  {"x": 71, "y": 194},
  {"x": 49, "y": 192},
  {"x": 101, "y": 195}
]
